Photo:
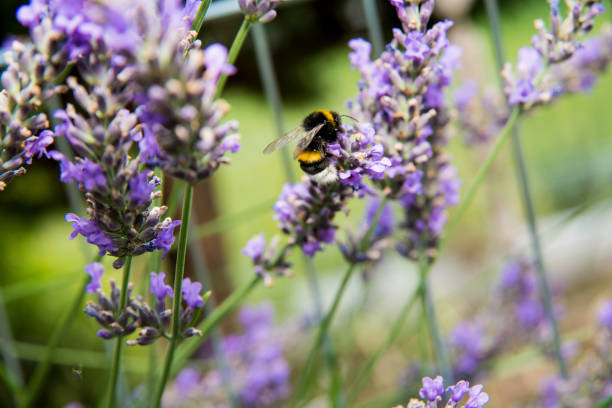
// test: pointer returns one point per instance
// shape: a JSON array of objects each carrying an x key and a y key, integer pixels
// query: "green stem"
[
  {"x": 198, "y": 20},
  {"x": 233, "y": 52},
  {"x": 323, "y": 328},
  {"x": 179, "y": 271},
  {"x": 42, "y": 369},
  {"x": 325, "y": 324},
  {"x": 443, "y": 360},
  {"x": 494, "y": 20},
  {"x": 213, "y": 320},
  {"x": 604, "y": 403},
  {"x": 482, "y": 172},
  {"x": 365, "y": 372},
  {"x": 112, "y": 384}
]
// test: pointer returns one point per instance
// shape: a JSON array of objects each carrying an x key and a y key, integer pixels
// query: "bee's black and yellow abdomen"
[{"x": 312, "y": 162}]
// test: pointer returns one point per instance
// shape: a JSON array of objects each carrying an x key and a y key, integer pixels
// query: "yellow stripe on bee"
[
  {"x": 310, "y": 157},
  {"x": 328, "y": 116}
]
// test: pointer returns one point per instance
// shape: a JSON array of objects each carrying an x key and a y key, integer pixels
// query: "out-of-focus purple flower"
[
  {"x": 604, "y": 314},
  {"x": 258, "y": 372},
  {"x": 259, "y": 10},
  {"x": 477, "y": 398},
  {"x": 458, "y": 390},
  {"x": 432, "y": 388},
  {"x": 165, "y": 237},
  {"x": 267, "y": 260},
  {"x": 158, "y": 287},
  {"x": 191, "y": 293},
  {"x": 529, "y": 312},
  {"x": 95, "y": 270},
  {"x": 187, "y": 380},
  {"x": 530, "y": 84},
  {"x": 254, "y": 248}
]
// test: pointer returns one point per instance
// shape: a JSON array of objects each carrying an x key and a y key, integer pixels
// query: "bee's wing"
[
  {"x": 285, "y": 139},
  {"x": 305, "y": 141},
  {"x": 295, "y": 134}
]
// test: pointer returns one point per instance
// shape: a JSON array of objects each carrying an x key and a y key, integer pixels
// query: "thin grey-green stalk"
[
  {"x": 494, "y": 21},
  {"x": 198, "y": 20},
  {"x": 365, "y": 372},
  {"x": 243, "y": 31},
  {"x": 309, "y": 371},
  {"x": 114, "y": 374},
  {"x": 179, "y": 271}
]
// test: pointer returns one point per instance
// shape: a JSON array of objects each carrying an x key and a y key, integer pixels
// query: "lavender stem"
[
  {"x": 308, "y": 372},
  {"x": 494, "y": 21},
  {"x": 243, "y": 31},
  {"x": 179, "y": 271},
  {"x": 365, "y": 372},
  {"x": 112, "y": 385},
  {"x": 198, "y": 20}
]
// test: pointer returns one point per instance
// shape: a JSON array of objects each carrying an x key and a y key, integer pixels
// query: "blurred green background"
[{"x": 568, "y": 150}]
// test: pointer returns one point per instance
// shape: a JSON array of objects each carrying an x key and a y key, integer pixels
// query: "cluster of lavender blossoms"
[
  {"x": 481, "y": 114},
  {"x": 136, "y": 314},
  {"x": 402, "y": 95},
  {"x": 433, "y": 390},
  {"x": 589, "y": 379},
  {"x": 174, "y": 82},
  {"x": 515, "y": 315},
  {"x": 132, "y": 65},
  {"x": 531, "y": 83},
  {"x": 259, "y": 375}
]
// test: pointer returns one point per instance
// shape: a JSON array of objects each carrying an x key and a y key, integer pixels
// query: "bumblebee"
[{"x": 317, "y": 130}]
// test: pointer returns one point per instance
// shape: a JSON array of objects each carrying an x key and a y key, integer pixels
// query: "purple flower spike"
[
  {"x": 165, "y": 238},
  {"x": 95, "y": 270},
  {"x": 432, "y": 388},
  {"x": 254, "y": 248},
  {"x": 459, "y": 390},
  {"x": 158, "y": 286},
  {"x": 191, "y": 293}
]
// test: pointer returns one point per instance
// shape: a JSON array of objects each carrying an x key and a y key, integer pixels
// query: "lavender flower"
[
  {"x": 259, "y": 372},
  {"x": 305, "y": 212},
  {"x": 589, "y": 376},
  {"x": 433, "y": 390},
  {"x": 190, "y": 142},
  {"x": 529, "y": 84},
  {"x": 481, "y": 115},
  {"x": 191, "y": 293},
  {"x": 353, "y": 247},
  {"x": 402, "y": 95},
  {"x": 27, "y": 85},
  {"x": 95, "y": 270},
  {"x": 513, "y": 316},
  {"x": 158, "y": 286},
  {"x": 267, "y": 260},
  {"x": 259, "y": 10},
  {"x": 155, "y": 322},
  {"x": 115, "y": 322}
]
